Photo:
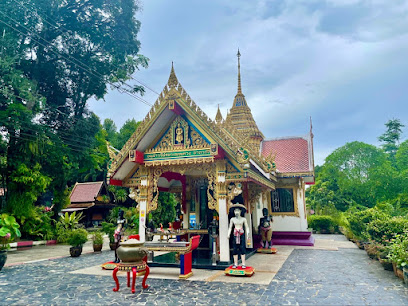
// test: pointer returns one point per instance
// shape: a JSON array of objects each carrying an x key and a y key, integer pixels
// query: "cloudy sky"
[{"x": 343, "y": 62}]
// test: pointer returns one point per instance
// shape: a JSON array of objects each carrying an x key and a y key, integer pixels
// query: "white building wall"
[{"x": 293, "y": 223}]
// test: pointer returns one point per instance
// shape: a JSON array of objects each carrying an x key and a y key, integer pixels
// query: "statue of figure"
[
  {"x": 265, "y": 228},
  {"x": 179, "y": 134},
  {"x": 119, "y": 232},
  {"x": 239, "y": 241}
]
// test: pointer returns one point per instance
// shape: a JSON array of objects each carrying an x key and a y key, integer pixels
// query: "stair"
[{"x": 293, "y": 238}]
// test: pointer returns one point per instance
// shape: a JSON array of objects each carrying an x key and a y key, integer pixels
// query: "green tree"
[
  {"x": 54, "y": 56},
  {"x": 390, "y": 139},
  {"x": 111, "y": 131},
  {"x": 166, "y": 209},
  {"x": 125, "y": 132}
]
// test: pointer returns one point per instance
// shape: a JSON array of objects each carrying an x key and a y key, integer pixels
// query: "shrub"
[
  {"x": 109, "y": 229},
  {"x": 323, "y": 223},
  {"x": 398, "y": 250},
  {"x": 9, "y": 230},
  {"x": 383, "y": 231},
  {"x": 37, "y": 224},
  {"x": 66, "y": 224},
  {"x": 77, "y": 237},
  {"x": 97, "y": 238},
  {"x": 359, "y": 220}
]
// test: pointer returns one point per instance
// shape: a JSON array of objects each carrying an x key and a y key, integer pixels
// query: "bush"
[
  {"x": 66, "y": 224},
  {"x": 9, "y": 230},
  {"x": 97, "y": 238},
  {"x": 109, "y": 229},
  {"x": 398, "y": 250},
  {"x": 383, "y": 231},
  {"x": 323, "y": 223},
  {"x": 37, "y": 224},
  {"x": 77, "y": 237},
  {"x": 359, "y": 220}
]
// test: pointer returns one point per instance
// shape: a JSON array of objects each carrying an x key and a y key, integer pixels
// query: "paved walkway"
[{"x": 333, "y": 272}]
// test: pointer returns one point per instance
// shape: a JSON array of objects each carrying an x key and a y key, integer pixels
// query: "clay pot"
[
  {"x": 3, "y": 258},
  {"x": 131, "y": 251},
  {"x": 112, "y": 246},
  {"x": 97, "y": 247},
  {"x": 75, "y": 251}
]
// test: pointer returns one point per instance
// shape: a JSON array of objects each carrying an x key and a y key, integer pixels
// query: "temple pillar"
[
  {"x": 142, "y": 220},
  {"x": 223, "y": 230},
  {"x": 143, "y": 199},
  {"x": 222, "y": 210}
]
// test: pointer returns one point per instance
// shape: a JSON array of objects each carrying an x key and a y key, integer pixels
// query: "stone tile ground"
[{"x": 309, "y": 276}]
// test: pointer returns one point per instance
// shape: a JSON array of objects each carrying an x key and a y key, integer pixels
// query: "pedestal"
[
  {"x": 248, "y": 271},
  {"x": 135, "y": 268},
  {"x": 267, "y": 251}
]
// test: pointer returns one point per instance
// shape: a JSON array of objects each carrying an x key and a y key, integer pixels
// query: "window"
[{"x": 282, "y": 200}]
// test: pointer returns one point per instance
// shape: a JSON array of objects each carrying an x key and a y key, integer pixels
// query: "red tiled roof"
[
  {"x": 292, "y": 154},
  {"x": 85, "y": 192}
]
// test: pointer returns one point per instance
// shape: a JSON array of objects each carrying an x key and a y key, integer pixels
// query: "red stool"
[{"x": 134, "y": 268}]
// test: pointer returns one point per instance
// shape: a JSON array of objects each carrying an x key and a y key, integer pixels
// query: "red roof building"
[{"x": 92, "y": 198}]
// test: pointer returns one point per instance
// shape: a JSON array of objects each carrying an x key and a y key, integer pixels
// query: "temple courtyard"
[{"x": 333, "y": 272}]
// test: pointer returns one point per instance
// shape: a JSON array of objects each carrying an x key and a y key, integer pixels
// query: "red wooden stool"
[{"x": 135, "y": 268}]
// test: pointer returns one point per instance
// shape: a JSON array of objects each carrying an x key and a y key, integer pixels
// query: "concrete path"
[{"x": 333, "y": 272}]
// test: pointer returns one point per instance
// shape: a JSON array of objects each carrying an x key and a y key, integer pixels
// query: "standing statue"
[
  {"x": 119, "y": 232},
  {"x": 241, "y": 231},
  {"x": 265, "y": 228}
]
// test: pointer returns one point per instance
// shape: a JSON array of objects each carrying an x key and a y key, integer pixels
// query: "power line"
[
  {"x": 67, "y": 57},
  {"x": 68, "y": 134},
  {"x": 68, "y": 30},
  {"x": 33, "y": 138}
]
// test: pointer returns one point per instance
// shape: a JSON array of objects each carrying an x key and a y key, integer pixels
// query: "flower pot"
[
  {"x": 394, "y": 268},
  {"x": 75, "y": 251},
  {"x": 3, "y": 258},
  {"x": 386, "y": 265},
  {"x": 97, "y": 247},
  {"x": 112, "y": 246},
  {"x": 405, "y": 273},
  {"x": 400, "y": 274}
]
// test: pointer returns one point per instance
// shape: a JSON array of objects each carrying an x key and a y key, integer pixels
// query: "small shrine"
[{"x": 212, "y": 165}]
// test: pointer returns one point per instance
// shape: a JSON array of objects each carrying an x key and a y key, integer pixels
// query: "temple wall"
[{"x": 293, "y": 223}]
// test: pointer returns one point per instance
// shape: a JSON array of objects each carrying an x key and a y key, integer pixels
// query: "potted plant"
[
  {"x": 109, "y": 229},
  {"x": 97, "y": 240},
  {"x": 76, "y": 239},
  {"x": 9, "y": 230}
]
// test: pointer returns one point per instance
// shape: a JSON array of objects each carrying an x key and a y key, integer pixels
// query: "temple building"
[{"x": 211, "y": 164}]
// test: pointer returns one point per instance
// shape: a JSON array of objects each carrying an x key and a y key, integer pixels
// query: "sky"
[{"x": 342, "y": 62}]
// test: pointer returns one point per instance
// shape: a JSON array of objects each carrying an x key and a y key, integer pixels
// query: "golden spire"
[
  {"x": 218, "y": 117},
  {"x": 239, "y": 73},
  {"x": 172, "y": 82}
]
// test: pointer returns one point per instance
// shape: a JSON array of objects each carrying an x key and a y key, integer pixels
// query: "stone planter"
[
  {"x": 131, "y": 251},
  {"x": 75, "y": 251},
  {"x": 97, "y": 247},
  {"x": 405, "y": 273},
  {"x": 112, "y": 246},
  {"x": 3, "y": 259},
  {"x": 397, "y": 271}
]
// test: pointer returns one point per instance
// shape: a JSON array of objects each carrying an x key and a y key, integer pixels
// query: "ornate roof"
[
  {"x": 231, "y": 140},
  {"x": 240, "y": 116}
]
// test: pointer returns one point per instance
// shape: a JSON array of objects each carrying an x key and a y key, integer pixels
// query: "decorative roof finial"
[
  {"x": 172, "y": 82},
  {"x": 218, "y": 117},
  {"x": 239, "y": 72}
]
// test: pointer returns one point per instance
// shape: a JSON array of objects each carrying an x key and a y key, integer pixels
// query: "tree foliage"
[
  {"x": 362, "y": 175},
  {"x": 55, "y": 56}
]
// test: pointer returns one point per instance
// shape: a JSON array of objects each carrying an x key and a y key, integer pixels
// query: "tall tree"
[
  {"x": 55, "y": 55},
  {"x": 125, "y": 132},
  {"x": 391, "y": 137}
]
